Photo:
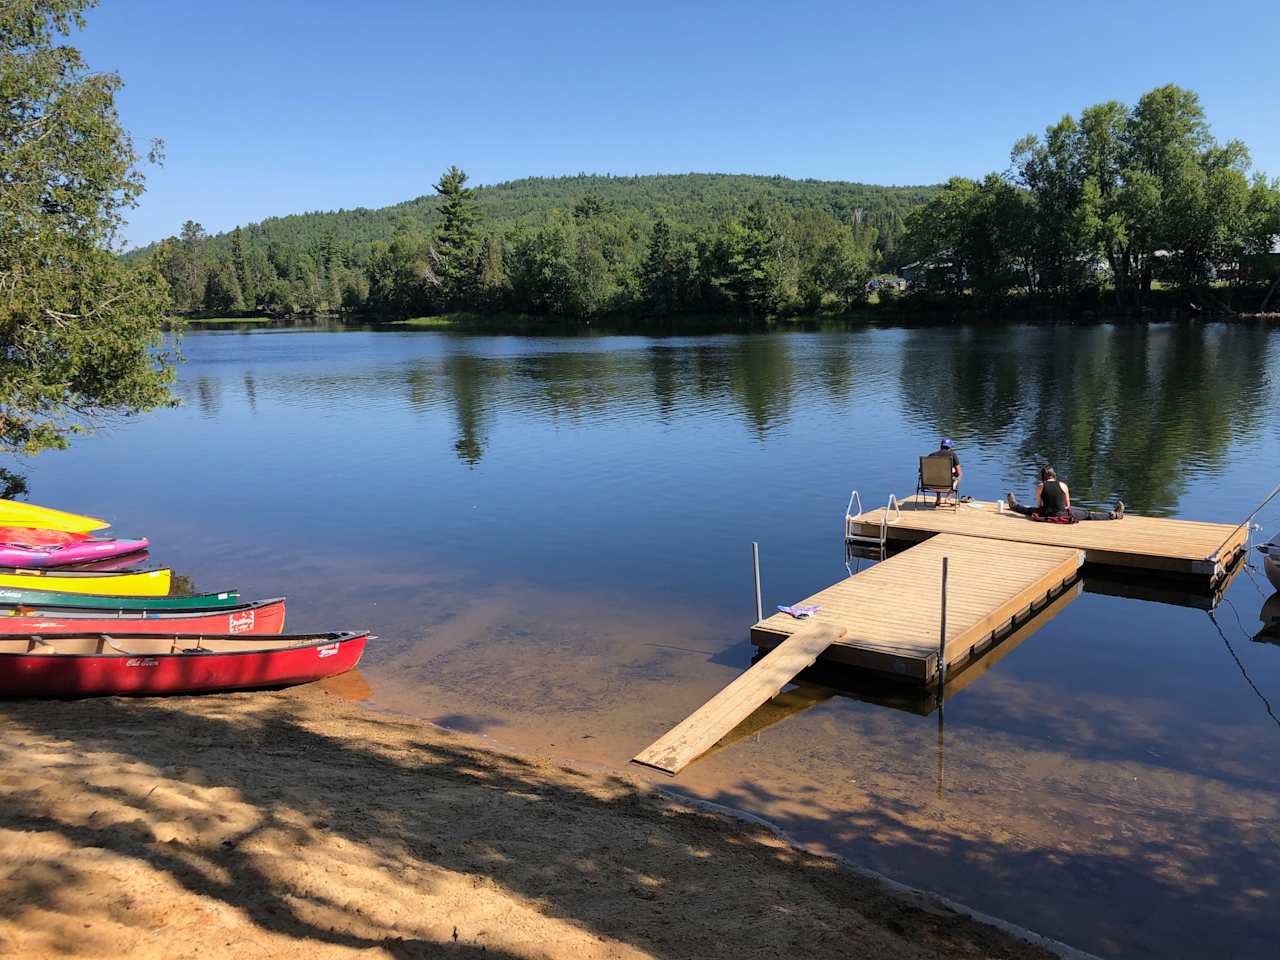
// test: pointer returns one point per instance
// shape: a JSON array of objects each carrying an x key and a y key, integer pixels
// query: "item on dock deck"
[
  {"x": 15, "y": 514},
  {"x": 39, "y": 537},
  {"x": 125, "y": 583},
  {"x": 13, "y": 600},
  {"x": 80, "y": 551},
  {"x": 98, "y": 664},
  {"x": 263, "y": 617},
  {"x": 800, "y": 612}
]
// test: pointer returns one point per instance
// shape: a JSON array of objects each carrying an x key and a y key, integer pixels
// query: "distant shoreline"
[{"x": 725, "y": 323}]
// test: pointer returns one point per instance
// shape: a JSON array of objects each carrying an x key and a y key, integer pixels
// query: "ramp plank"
[{"x": 701, "y": 730}]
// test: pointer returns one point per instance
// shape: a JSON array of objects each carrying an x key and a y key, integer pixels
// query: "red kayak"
[
  {"x": 82, "y": 665},
  {"x": 263, "y": 617}
]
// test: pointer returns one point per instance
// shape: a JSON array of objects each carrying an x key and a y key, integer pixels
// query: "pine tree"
[
  {"x": 241, "y": 265},
  {"x": 457, "y": 239}
]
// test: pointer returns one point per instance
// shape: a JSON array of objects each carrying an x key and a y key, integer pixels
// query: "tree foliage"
[
  {"x": 1121, "y": 197},
  {"x": 80, "y": 330},
  {"x": 577, "y": 247}
]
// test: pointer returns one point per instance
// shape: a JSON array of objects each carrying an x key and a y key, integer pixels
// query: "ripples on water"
[{"x": 550, "y": 535}]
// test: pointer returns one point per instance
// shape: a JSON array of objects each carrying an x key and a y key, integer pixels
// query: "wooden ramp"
[
  {"x": 887, "y": 618},
  {"x": 891, "y": 612},
  {"x": 697, "y": 733},
  {"x": 1158, "y": 544}
]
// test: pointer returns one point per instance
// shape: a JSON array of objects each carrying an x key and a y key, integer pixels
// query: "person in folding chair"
[
  {"x": 1053, "y": 503},
  {"x": 940, "y": 473}
]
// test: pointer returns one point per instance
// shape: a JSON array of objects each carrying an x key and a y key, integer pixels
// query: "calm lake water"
[{"x": 551, "y": 537}]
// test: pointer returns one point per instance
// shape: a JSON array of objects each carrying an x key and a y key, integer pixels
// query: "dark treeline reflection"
[{"x": 1120, "y": 411}]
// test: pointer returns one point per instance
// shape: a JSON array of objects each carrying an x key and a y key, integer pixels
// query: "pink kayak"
[{"x": 81, "y": 551}]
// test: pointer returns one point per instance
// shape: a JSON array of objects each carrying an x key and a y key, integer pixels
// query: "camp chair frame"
[{"x": 929, "y": 479}]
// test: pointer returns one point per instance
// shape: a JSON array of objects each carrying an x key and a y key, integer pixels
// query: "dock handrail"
[
  {"x": 894, "y": 507},
  {"x": 850, "y": 516},
  {"x": 854, "y": 497},
  {"x": 884, "y": 519}
]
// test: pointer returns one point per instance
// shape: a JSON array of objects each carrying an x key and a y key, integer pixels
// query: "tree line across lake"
[
  {"x": 579, "y": 247},
  {"x": 1111, "y": 208}
]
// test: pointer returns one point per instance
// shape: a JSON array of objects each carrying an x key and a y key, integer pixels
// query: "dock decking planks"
[
  {"x": 1159, "y": 544},
  {"x": 890, "y": 613},
  {"x": 700, "y": 731}
]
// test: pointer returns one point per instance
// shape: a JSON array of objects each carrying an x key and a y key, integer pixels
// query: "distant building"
[{"x": 1260, "y": 266}]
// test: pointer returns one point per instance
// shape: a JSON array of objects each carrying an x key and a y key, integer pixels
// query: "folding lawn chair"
[{"x": 936, "y": 477}]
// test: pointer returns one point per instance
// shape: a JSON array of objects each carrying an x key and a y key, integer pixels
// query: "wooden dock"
[
  {"x": 887, "y": 619},
  {"x": 1157, "y": 544},
  {"x": 891, "y": 612},
  {"x": 698, "y": 732}
]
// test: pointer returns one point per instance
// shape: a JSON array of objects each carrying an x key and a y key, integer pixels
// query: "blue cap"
[{"x": 947, "y": 443}]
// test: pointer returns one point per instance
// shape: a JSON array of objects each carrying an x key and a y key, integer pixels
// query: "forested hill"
[
  {"x": 573, "y": 246},
  {"x": 695, "y": 199}
]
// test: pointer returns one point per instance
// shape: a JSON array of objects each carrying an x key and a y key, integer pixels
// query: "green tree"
[
  {"x": 665, "y": 274},
  {"x": 80, "y": 330},
  {"x": 222, "y": 289},
  {"x": 240, "y": 263},
  {"x": 973, "y": 236},
  {"x": 457, "y": 238},
  {"x": 758, "y": 266}
]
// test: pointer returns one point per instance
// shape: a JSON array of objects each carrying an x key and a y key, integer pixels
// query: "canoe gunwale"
[
  {"x": 124, "y": 614},
  {"x": 319, "y": 640}
]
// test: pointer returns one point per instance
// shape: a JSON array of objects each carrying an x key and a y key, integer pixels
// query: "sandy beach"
[{"x": 303, "y": 824}]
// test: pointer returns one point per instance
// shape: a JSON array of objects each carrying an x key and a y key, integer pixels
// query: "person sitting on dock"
[
  {"x": 1053, "y": 502},
  {"x": 947, "y": 451}
]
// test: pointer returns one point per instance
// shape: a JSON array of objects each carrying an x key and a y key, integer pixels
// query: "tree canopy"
[
  {"x": 1121, "y": 198},
  {"x": 577, "y": 247},
  {"x": 80, "y": 330}
]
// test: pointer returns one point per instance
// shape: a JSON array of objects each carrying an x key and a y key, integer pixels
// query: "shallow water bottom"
[{"x": 1074, "y": 817}]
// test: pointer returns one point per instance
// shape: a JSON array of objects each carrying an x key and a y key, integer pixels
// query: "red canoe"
[
  {"x": 81, "y": 665},
  {"x": 265, "y": 616}
]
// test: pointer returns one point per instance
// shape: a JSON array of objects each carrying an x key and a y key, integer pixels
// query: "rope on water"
[{"x": 1265, "y": 702}]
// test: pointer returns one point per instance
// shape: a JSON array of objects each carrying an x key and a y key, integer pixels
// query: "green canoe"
[{"x": 12, "y": 597}]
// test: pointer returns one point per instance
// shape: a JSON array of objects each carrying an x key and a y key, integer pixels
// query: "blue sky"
[{"x": 282, "y": 106}]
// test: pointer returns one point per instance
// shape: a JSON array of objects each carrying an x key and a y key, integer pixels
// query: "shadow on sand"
[{"x": 302, "y": 820}]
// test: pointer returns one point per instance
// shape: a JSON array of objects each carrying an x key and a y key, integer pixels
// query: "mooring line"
[{"x": 1244, "y": 673}]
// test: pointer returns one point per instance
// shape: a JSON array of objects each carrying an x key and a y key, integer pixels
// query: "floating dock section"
[
  {"x": 888, "y": 619},
  {"x": 891, "y": 613},
  {"x": 896, "y": 619},
  {"x": 1156, "y": 544}
]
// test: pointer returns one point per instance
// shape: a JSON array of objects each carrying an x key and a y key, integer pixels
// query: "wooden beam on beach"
[{"x": 702, "y": 729}]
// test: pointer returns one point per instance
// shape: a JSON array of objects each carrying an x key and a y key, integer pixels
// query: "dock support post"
[
  {"x": 755, "y": 564},
  {"x": 942, "y": 634}
]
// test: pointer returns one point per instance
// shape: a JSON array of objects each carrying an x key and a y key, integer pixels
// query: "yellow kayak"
[
  {"x": 15, "y": 514},
  {"x": 147, "y": 583}
]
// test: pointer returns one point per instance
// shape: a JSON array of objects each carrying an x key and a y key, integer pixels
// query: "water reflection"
[
  {"x": 550, "y": 536},
  {"x": 1121, "y": 411}
]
